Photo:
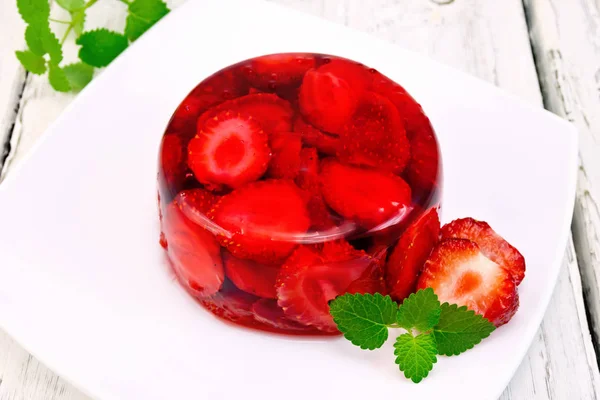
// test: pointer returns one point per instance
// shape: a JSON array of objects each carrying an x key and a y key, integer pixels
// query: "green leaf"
[
  {"x": 142, "y": 15},
  {"x": 415, "y": 355},
  {"x": 101, "y": 46},
  {"x": 420, "y": 310},
  {"x": 33, "y": 38},
  {"x": 33, "y": 11},
  {"x": 58, "y": 79},
  {"x": 364, "y": 318},
  {"x": 71, "y": 5},
  {"x": 78, "y": 20},
  {"x": 32, "y": 62},
  {"x": 459, "y": 329},
  {"x": 41, "y": 40},
  {"x": 78, "y": 75}
]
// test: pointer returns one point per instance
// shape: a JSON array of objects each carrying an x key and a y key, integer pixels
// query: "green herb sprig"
[
  {"x": 432, "y": 328},
  {"x": 99, "y": 47}
]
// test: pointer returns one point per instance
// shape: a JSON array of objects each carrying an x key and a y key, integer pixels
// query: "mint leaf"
[
  {"x": 33, "y": 11},
  {"x": 101, "y": 46},
  {"x": 459, "y": 329},
  {"x": 32, "y": 62},
  {"x": 364, "y": 318},
  {"x": 78, "y": 21},
  {"x": 41, "y": 40},
  {"x": 415, "y": 355},
  {"x": 58, "y": 79},
  {"x": 71, "y": 5},
  {"x": 420, "y": 310},
  {"x": 142, "y": 15},
  {"x": 78, "y": 75}
]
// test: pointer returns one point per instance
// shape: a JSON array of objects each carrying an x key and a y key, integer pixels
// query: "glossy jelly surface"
[{"x": 289, "y": 179}]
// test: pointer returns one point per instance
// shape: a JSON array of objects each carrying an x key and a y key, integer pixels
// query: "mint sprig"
[
  {"x": 431, "y": 328},
  {"x": 44, "y": 52}
]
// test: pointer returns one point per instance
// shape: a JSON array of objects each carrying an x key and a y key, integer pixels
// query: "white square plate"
[{"x": 84, "y": 285}]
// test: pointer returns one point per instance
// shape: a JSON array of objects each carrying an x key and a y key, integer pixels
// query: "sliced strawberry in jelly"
[
  {"x": 314, "y": 275},
  {"x": 308, "y": 175},
  {"x": 274, "y": 71},
  {"x": 194, "y": 253},
  {"x": 423, "y": 168},
  {"x": 250, "y": 276},
  {"x": 232, "y": 304},
  {"x": 408, "y": 257},
  {"x": 173, "y": 165},
  {"x": 230, "y": 149},
  {"x": 262, "y": 221},
  {"x": 367, "y": 196},
  {"x": 374, "y": 136},
  {"x": 326, "y": 143},
  {"x": 285, "y": 158},
  {"x": 266, "y": 311},
  {"x": 216, "y": 89},
  {"x": 330, "y": 94},
  {"x": 270, "y": 111}
]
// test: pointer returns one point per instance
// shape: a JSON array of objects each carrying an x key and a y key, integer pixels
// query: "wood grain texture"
[
  {"x": 566, "y": 41},
  {"x": 486, "y": 38}
]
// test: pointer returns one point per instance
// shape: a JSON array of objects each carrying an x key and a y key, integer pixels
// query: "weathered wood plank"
[
  {"x": 12, "y": 76},
  {"x": 471, "y": 35},
  {"x": 566, "y": 41}
]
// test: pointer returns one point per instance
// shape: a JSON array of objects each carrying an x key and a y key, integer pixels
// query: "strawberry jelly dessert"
[{"x": 289, "y": 179}]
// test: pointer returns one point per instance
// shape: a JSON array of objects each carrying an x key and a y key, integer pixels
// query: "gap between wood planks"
[{"x": 564, "y": 96}]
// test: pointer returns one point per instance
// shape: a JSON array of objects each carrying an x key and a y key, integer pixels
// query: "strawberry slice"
[
  {"x": 308, "y": 174},
  {"x": 271, "y": 112},
  {"x": 266, "y": 311},
  {"x": 222, "y": 86},
  {"x": 408, "y": 257},
  {"x": 314, "y": 275},
  {"x": 374, "y": 136},
  {"x": 330, "y": 94},
  {"x": 172, "y": 166},
  {"x": 460, "y": 273},
  {"x": 273, "y": 71},
  {"x": 326, "y": 143},
  {"x": 285, "y": 158},
  {"x": 232, "y": 304},
  {"x": 423, "y": 168},
  {"x": 262, "y": 220},
  {"x": 350, "y": 191},
  {"x": 194, "y": 253},
  {"x": 492, "y": 245},
  {"x": 230, "y": 149},
  {"x": 250, "y": 276}
]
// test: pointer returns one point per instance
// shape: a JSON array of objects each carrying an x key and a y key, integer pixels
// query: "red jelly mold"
[{"x": 289, "y": 179}]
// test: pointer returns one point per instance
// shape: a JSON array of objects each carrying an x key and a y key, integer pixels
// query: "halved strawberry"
[
  {"x": 222, "y": 86},
  {"x": 458, "y": 272},
  {"x": 374, "y": 135},
  {"x": 273, "y": 71},
  {"x": 408, "y": 257},
  {"x": 329, "y": 94},
  {"x": 285, "y": 158},
  {"x": 270, "y": 111},
  {"x": 266, "y": 311},
  {"x": 314, "y": 275},
  {"x": 250, "y": 276},
  {"x": 194, "y": 253},
  {"x": 368, "y": 196},
  {"x": 172, "y": 166},
  {"x": 230, "y": 149},
  {"x": 195, "y": 205},
  {"x": 262, "y": 221},
  {"x": 232, "y": 304},
  {"x": 492, "y": 245},
  {"x": 326, "y": 143}
]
